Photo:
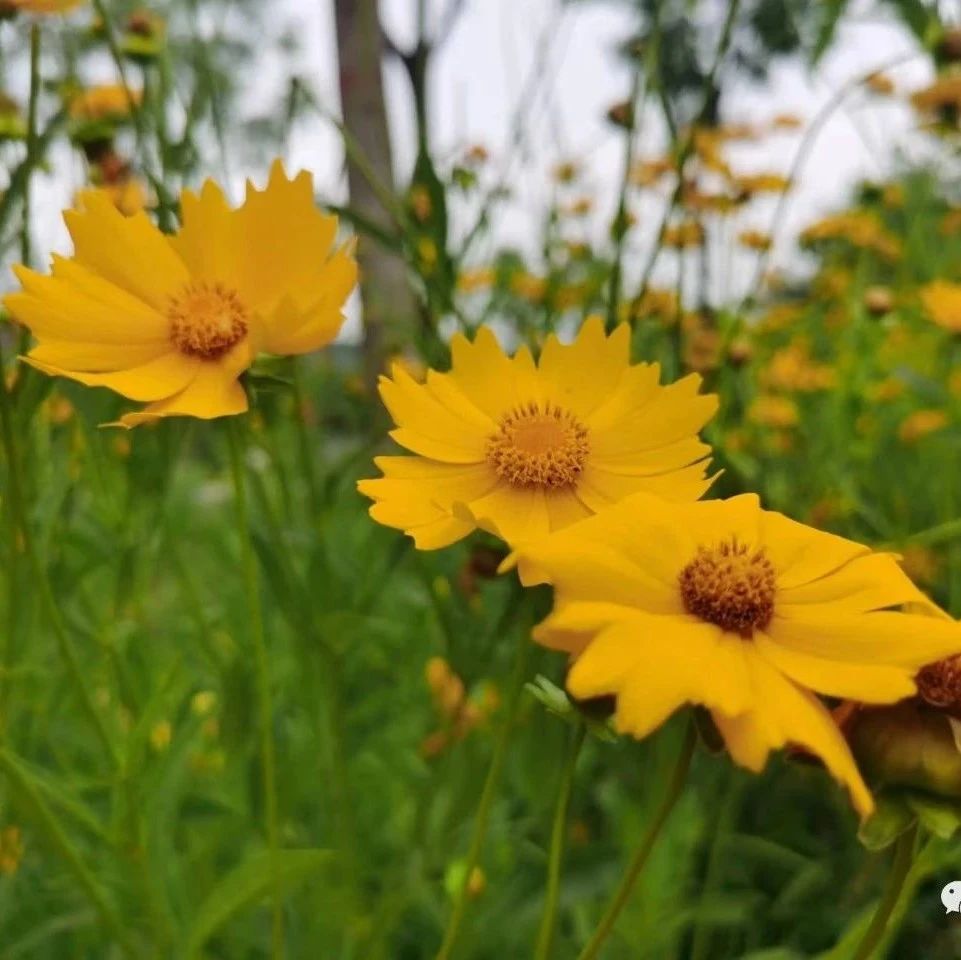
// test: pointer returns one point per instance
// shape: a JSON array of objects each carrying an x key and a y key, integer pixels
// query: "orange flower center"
[
  {"x": 206, "y": 320},
  {"x": 539, "y": 446},
  {"x": 940, "y": 684},
  {"x": 731, "y": 587}
]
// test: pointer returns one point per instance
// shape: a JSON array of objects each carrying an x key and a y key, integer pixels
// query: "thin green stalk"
[
  {"x": 262, "y": 672},
  {"x": 15, "y": 523},
  {"x": 903, "y": 858},
  {"x": 674, "y": 790},
  {"x": 545, "y": 936},
  {"x": 620, "y": 226},
  {"x": 686, "y": 147},
  {"x": 800, "y": 159},
  {"x": 50, "y": 826},
  {"x": 488, "y": 794},
  {"x": 40, "y": 575},
  {"x": 25, "y": 244},
  {"x": 136, "y": 107}
]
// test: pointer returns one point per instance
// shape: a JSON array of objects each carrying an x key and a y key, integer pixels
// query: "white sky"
[{"x": 488, "y": 61}]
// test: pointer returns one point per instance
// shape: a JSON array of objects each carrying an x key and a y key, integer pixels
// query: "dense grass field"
[{"x": 243, "y": 715}]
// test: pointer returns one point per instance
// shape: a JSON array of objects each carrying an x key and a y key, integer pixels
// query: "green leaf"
[
  {"x": 831, "y": 12},
  {"x": 248, "y": 885}
]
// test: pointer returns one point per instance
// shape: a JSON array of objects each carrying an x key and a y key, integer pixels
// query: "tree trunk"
[{"x": 387, "y": 301}]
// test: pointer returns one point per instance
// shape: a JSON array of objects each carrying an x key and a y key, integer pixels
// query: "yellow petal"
[
  {"x": 515, "y": 515},
  {"x": 865, "y": 682},
  {"x": 582, "y": 375},
  {"x": 868, "y": 582},
  {"x": 127, "y": 251},
  {"x": 492, "y": 381},
  {"x": 293, "y": 328},
  {"x": 286, "y": 242},
  {"x": 785, "y": 714},
  {"x": 414, "y": 491},
  {"x": 426, "y": 426},
  {"x": 897, "y": 639},
  {"x": 209, "y": 241},
  {"x": 76, "y": 304},
  {"x": 211, "y": 394},
  {"x": 656, "y": 664},
  {"x": 96, "y": 357},
  {"x": 154, "y": 380},
  {"x": 599, "y": 488},
  {"x": 673, "y": 412},
  {"x": 800, "y": 553},
  {"x": 595, "y": 571}
]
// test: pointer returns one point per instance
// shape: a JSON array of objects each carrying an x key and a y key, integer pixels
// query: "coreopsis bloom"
[
  {"x": 41, "y": 7},
  {"x": 110, "y": 101},
  {"x": 861, "y": 228},
  {"x": 770, "y": 410},
  {"x": 921, "y": 423},
  {"x": 738, "y": 609},
  {"x": 520, "y": 449},
  {"x": 754, "y": 240},
  {"x": 762, "y": 183},
  {"x": 174, "y": 320},
  {"x": 941, "y": 300}
]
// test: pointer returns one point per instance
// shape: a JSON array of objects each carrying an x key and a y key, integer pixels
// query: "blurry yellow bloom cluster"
[
  {"x": 684, "y": 235},
  {"x": 11, "y": 850},
  {"x": 105, "y": 102},
  {"x": 458, "y": 713},
  {"x": 920, "y": 423},
  {"x": 39, "y": 7},
  {"x": 792, "y": 369},
  {"x": 860, "y": 228},
  {"x": 942, "y": 303}
]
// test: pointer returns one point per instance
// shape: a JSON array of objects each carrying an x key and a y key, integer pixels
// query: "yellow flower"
[
  {"x": 791, "y": 368},
  {"x": 39, "y": 6},
  {"x": 920, "y": 423},
  {"x": 520, "y": 449},
  {"x": 762, "y": 183},
  {"x": 740, "y": 610},
  {"x": 478, "y": 278},
  {"x": 174, "y": 321},
  {"x": 881, "y": 84},
  {"x": 647, "y": 173},
  {"x": 942, "y": 303},
  {"x": 106, "y": 102},
  {"x": 860, "y": 228},
  {"x": 945, "y": 92},
  {"x": 787, "y": 121},
  {"x": 11, "y": 850},
  {"x": 754, "y": 240},
  {"x": 772, "y": 411},
  {"x": 688, "y": 233}
]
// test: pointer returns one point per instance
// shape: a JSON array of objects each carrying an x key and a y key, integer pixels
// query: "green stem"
[
  {"x": 674, "y": 790},
  {"x": 903, "y": 858},
  {"x": 262, "y": 672},
  {"x": 488, "y": 793},
  {"x": 545, "y": 936},
  {"x": 26, "y": 545},
  {"x": 51, "y": 827},
  {"x": 25, "y": 245}
]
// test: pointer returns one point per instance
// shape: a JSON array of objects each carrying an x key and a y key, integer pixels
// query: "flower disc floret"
[
  {"x": 539, "y": 447},
  {"x": 730, "y": 586},
  {"x": 206, "y": 320}
]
